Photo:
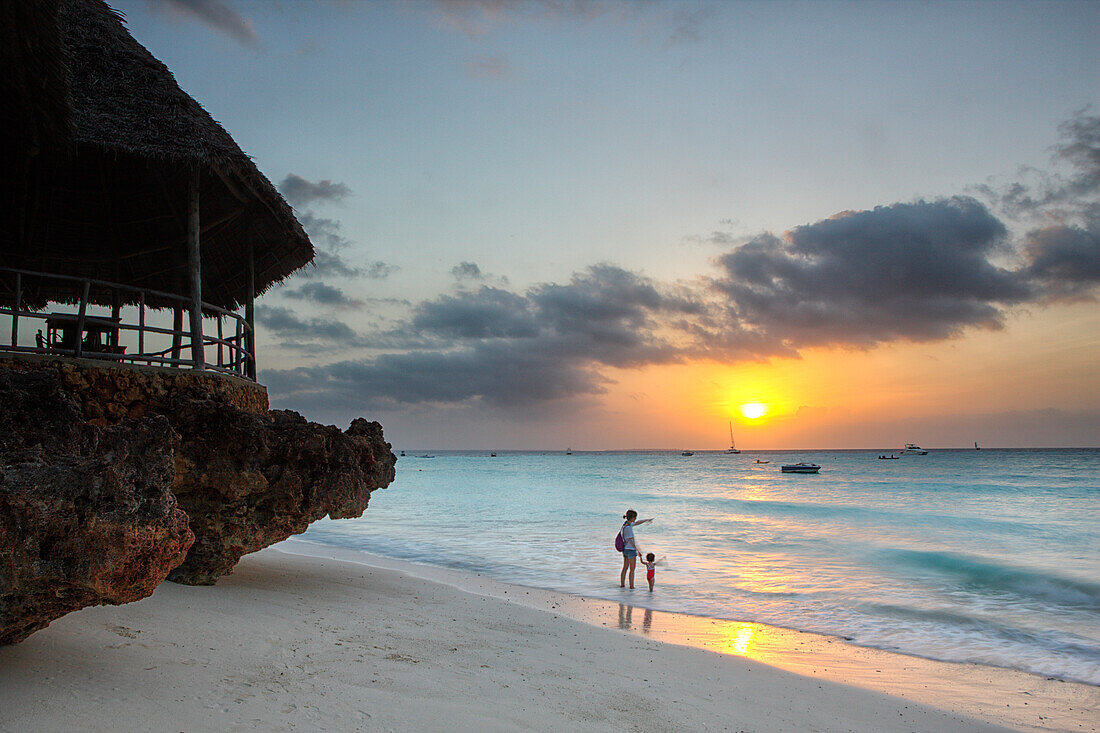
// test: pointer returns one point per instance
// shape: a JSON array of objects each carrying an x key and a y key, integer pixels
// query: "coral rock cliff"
[
  {"x": 248, "y": 481},
  {"x": 110, "y": 478},
  {"x": 87, "y": 516}
]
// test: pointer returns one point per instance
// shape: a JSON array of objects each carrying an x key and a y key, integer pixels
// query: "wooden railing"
[{"x": 231, "y": 351}]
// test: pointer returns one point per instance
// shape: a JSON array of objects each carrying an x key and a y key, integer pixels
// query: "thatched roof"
[
  {"x": 34, "y": 86},
  {"x": 115, "y": 208}
]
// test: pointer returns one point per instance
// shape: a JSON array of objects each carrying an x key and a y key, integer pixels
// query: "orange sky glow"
[{"x": 946, "y": 394}]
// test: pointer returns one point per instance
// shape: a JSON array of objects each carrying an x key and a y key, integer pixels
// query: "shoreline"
[
  {"x": 1004, "y": 695},
  {"x": 299, "y": 642}
]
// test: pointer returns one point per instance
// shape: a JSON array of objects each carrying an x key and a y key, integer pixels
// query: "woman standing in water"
[{"x": 630, "y": 547}]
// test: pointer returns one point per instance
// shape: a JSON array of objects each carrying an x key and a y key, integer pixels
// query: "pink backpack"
[{"x": 619, "y": 542}]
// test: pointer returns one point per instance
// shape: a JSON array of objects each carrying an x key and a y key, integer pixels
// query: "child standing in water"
[{"x": 650, "y": 568}]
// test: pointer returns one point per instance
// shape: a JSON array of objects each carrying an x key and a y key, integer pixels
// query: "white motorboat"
[
  {"x": 800, "y": 468},
  {"x": 688, "y": 453},
  {"x": 912, "y": 449}
]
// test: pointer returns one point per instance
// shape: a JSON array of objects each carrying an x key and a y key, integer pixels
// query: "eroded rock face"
[
  {"x": 92, "y": 509},
  {"x": 87, "y": 516},
  {"x": 248, "y": 481}
]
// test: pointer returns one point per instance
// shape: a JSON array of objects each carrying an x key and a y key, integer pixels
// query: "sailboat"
[{"x": 733, "y": 447}]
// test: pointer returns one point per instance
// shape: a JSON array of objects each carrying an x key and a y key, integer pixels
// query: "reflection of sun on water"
[
  {"x": 754, "y": 410},
  {"x": 742, "y": 639}
]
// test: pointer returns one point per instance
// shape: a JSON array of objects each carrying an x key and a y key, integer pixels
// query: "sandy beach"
[{"x": 290, "y": 642}]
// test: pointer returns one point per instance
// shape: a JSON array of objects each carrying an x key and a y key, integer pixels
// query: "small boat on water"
[
  {"x": 912, "y": 449},
  {"x": 688, "y": 453},
  {"x": 800, "y": 468},
  {"x": 733, "y": 446},
  {"x": 976, "y": 445},
  {"x": 568, "y": 451},
  {"x": 888, "y": 458},
  {"x": 760, "y": 461}
]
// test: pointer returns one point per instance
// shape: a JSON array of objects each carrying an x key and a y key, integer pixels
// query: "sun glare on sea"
[{"x": 754, "y": 410}]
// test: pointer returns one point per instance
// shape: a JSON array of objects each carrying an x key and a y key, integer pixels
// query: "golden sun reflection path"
[{"x": 1025, "y": 700}]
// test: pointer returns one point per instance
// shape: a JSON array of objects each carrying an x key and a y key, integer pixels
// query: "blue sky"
[{"x": 478, "y": 150}]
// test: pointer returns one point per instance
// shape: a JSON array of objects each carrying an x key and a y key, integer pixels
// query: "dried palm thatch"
[
  {"x": 34, "y": 84},
  {"x": 113, "y": 205}
]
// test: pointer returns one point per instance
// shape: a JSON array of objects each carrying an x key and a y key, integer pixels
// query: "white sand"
[{"x": 297, "y": 643}]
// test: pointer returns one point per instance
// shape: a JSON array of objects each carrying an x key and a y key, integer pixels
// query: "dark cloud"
[
  {"x": 301, "y": 192},
  {"x": 917, "y": 271},
  {"x": 287, "y": 324},
  {"x": 492, "y": 373},
  {"x": 1065, "y": 260},
  {"x": 219, "y": 16},
  {"x": 467, "y": 271},
  {"x": 488, "y": 313},
  {"x": 507, "y": 349},
  {"x": 322, "y": 294}
]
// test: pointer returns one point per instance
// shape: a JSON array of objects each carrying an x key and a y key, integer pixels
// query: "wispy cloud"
[
  {"x": 218, "y": 15},
  {"x": 678, "y": 23},
  {"x": 327, "y": 233},
  {"x": 489, "y": 67},
  {"x": 1040, "y": 193}
]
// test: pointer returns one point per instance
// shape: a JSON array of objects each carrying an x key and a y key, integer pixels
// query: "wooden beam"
[
  {"x": 250, "y": 315},
  {"x": 177, "y": 330},
  {"x": 16, "y": 308},
  {"x": 81, "y": 314},
  {"x": 194, "y": 267}
]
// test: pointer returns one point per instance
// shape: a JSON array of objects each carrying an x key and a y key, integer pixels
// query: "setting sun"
[{"x": 754, "y": 410}]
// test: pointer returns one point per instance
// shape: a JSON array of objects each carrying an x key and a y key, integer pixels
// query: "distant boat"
[
  {"x": 888, "y": 458},
  {"x": 688, "y": 453},
  {"x": 492, "y": 455},
  {"x": 402, "y": 453},
  {"x": 733, "y": 447},
  {"x": 760, "y": 461},
  {"x": 912, "y": 449},
  {"x": 800, "y": 468},
  {"x": 568, "y": 451},
  {"x": 976, "y": 445}
]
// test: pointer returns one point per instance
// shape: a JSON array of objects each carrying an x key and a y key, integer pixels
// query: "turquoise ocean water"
[{"x": 977, "y": 556}]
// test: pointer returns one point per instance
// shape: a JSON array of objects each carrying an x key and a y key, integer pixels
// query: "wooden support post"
[
  {"x": 250, "y": 315},
  {"x": 141, "y": 323},
  {"x": 116, "y": 312},
  {"x": 220, "y": 363},
  {"x": 177, "y": 331},
  {"x": 238, "y": 350},
  {"x": 194, "y": 267},
  {"x": 78, "y": 346},
  {"x": 15, "y": 310}
]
